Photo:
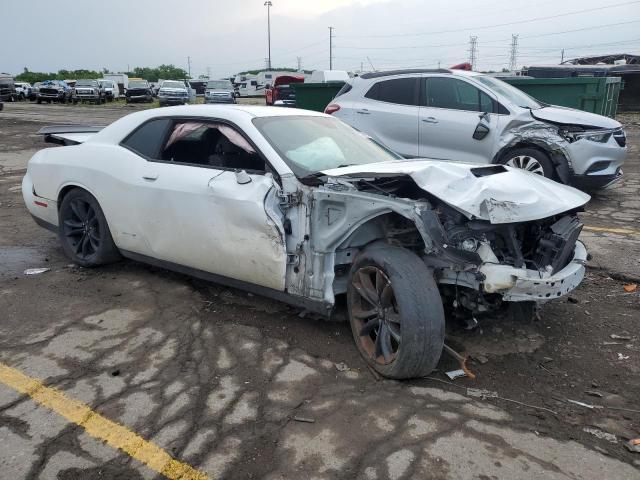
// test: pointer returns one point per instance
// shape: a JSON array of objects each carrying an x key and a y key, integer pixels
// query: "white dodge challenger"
[{"x": 298, "y": 206}]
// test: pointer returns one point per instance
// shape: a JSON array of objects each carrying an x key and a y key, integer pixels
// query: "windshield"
[
  {"x": 312, "y": 144},
  {"x": 220, "y": 85},
  {"x": 172, "y": 84},
  {"x": 511, "y": 93},
  {"x": 86, "y": 83},
  {"x": 138, "y": 84},
  {"x": 106, "y": 83}
]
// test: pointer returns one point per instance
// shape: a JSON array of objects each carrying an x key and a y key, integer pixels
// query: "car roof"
[
  {"x": 250, "y": 110},
  {"x": 233, "y": 113},
  {"x": 390, "y": 73}
]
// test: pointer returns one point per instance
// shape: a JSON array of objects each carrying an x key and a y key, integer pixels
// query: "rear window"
[
  {"x": 401, "y": 91},
  {"x": 345, "y": 89},
  {"x": 148, "y": 138}
]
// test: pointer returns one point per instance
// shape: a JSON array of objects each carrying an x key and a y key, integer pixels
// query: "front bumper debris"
[{"x": 520, "y": 285}]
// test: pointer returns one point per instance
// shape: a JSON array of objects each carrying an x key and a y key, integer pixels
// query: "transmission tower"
[
  {"x": 473, "y": 51},
  {"x": 513, "y": 57}
]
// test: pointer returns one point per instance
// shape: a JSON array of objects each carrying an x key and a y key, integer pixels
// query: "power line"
[{"x": 517, "y": 22}]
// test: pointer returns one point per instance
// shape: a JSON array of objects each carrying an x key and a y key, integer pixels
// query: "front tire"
[
  {"x": 395, "y": 311},
  {"x": 84, "y": 232},
  {"x": 530, "y": 160}
]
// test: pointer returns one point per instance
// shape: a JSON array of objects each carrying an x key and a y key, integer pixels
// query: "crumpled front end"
[
  {"x": 532, "y": 261},
  {"x": 587, "y": 152}
]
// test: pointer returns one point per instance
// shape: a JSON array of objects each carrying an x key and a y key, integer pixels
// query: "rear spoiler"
[{"x": 68, "y": 134}]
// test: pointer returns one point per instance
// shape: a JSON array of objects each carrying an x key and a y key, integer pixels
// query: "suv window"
[
  {"x": 401, "y": 91},
  {"x": 147, "y": 139},
  {"x": 454, "y": 94}
]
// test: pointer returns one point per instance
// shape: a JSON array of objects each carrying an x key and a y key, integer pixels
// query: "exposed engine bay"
[{"x": 479, "y": 264}]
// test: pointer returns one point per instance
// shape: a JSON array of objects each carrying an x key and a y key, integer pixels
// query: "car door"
[
  {"x": 389, "y": 112},
  {"x": 451, "y": 111},
  {"x": 210, "y": 218}
]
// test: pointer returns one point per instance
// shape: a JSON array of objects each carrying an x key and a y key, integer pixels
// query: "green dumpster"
[
  {"x": 316, "y": 96},
  {"x": 591, "y": 94}
]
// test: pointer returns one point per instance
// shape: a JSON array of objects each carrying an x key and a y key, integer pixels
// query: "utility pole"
[
  {"x": 330, "y": 48},
  {"x": 562, "y": 57},
  {"x": 208, "y": 73},
  {"x": 268, "y": 4},
  {"x": 299, "y": 59},
  {"x": 513, "y": 57},
  {"x": 189, "y": 65},
  {"x": 473, "y": 51}
]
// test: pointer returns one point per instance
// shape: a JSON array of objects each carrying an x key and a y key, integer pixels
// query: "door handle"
[
  {"x": 152, "y": 177},
  {"x": 364, "y": 111},
  {"x": 430, "y": 120}
]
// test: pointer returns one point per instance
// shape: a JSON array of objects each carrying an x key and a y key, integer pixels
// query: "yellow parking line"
[
  {"x": 620, "y": 231},
  {"x": 98, "y": 426}
]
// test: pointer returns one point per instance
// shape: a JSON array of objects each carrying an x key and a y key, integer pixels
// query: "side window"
[
  {"x": 454, "y": 94},
  {"x": 147, "y": 139},
  {"x": 401, "y": 91},
  {"x": 210, "y": 144},
  {"x": 486, "y": 103}
]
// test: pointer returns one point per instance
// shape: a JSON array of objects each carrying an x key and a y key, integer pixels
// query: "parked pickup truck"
[
  {"x": 282, "y": 91},
  {"x": 139, "y": 91},
  {"x": 176, "y": 92},
  {"x": 7, "y": 89},
  {"x": 111, "y": 90},
  {"x": 23, "y": 90},
  {"x": 53, "y": 91},
  {"x": 88, "y": 91}
]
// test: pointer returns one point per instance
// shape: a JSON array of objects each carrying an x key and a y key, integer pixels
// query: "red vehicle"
[{"x": 282, "y": 90}]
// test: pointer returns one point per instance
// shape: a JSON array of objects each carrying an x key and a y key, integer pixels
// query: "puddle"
[{"x": 15, "y": 260}]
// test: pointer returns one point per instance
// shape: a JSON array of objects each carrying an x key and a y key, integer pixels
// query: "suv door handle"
[
  {"x": 430, "y": 120},
  {"x": 364, "y": 111},
  {"x": 152, "y": 177}
]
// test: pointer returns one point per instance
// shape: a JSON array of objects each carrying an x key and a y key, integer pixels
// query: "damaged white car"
[{"x": 298, "y": 206}]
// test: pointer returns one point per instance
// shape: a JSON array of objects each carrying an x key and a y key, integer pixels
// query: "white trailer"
[{"x": 254, "y": 85}]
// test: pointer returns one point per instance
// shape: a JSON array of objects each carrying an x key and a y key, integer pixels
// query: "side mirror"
[
  {"x": 242, "y": 177},
  {"x": 481, "y": 131}
]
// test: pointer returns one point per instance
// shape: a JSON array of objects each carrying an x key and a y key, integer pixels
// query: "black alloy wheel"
[
  {"x": 84, "y": 232},
  {"x": 82, "y": 229}
]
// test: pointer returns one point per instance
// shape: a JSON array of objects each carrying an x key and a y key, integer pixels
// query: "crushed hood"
[
  {"x": 570, "y": 116},
  {"x": 509, "y": 196}
]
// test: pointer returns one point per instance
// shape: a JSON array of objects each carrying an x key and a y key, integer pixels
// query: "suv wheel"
[
  {"x": 530, "y": 160},
  {"x": 395, "y": 311}
]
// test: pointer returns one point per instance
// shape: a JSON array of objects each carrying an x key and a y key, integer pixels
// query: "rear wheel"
[
  {"x": 84, "y": 232},
  {"x": 396, "y": 312},
  {"x": 530, "y": 160}
]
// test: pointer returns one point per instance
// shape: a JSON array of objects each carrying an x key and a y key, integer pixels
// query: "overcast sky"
[{"x": 229, "y": 36}]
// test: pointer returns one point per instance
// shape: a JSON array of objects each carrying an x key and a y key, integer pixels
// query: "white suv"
[{"x": 475, "y": 118}]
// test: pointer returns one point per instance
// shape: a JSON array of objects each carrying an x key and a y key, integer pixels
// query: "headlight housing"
[{"x": 598, "y": 136}]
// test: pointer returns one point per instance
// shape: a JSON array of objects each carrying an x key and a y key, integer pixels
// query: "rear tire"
[
  {"x": 395, "y": 310},
  {"x": 530, "y": 160},
  {"x": 84, "y": 232}
]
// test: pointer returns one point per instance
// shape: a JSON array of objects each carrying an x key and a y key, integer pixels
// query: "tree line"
[{"x": 165, "y": 72}]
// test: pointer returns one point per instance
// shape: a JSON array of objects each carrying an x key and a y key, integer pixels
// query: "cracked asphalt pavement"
[{"x": 236, "y": 386}]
